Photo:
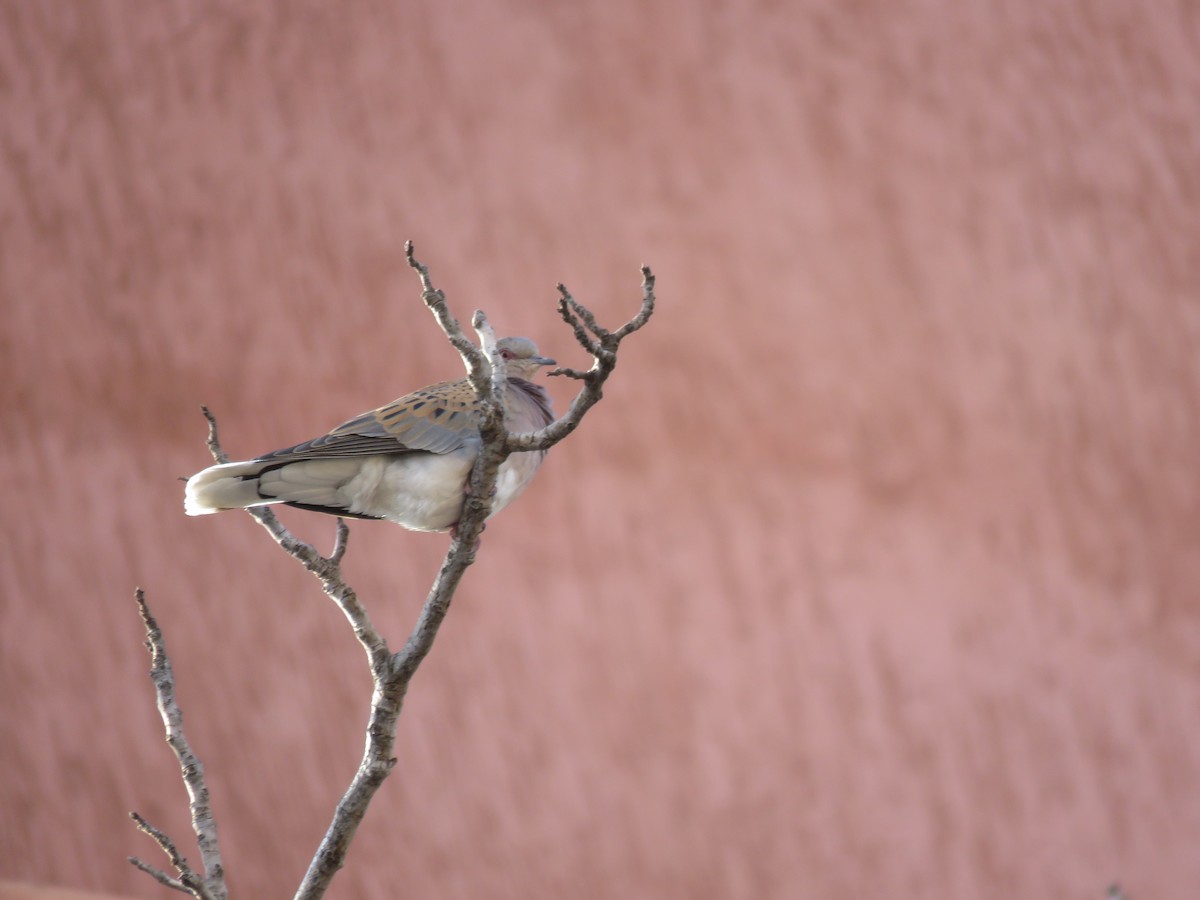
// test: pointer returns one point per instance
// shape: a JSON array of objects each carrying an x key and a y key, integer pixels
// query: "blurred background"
[{"x": 874, "y": 574}]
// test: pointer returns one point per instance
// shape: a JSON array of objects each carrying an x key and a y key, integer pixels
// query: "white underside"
[{"x": 421, "y": 491}]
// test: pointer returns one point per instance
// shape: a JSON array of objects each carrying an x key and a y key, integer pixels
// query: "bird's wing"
[{"x": 440, "y": 418}]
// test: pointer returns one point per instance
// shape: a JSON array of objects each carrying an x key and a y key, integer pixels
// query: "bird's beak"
[{"x": 544, "y": 361}]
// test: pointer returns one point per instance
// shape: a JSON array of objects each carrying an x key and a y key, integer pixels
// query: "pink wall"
[{"x": 876, "y": 572}]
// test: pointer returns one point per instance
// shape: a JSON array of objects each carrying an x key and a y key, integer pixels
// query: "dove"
[{"x": 407, "y": 462}]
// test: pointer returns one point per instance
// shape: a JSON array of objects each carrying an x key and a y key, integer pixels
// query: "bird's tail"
[
  {"x": 307, "y": 483},
  {"x": 228, "y": 486}
]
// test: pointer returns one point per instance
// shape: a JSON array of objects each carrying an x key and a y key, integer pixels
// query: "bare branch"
[
  {"x": 604, "y": 356},
  {"x": 392, "y": 673},
  {"x": 581, "y": 312},
  {"x": 481, "y": 487},
  {"x": 567, "y": 311},
  {"x": 340, "y": 541},
  {"x": 496, "y": 445},
  {"x": 570, "y": 373},
  {"x": 436, "y": 301},
  {"x": 188, "y": 881},
  {"x": 647, "y": 310},
  {"x": 160, "y": 876},
  {"x": 487, "y": 344},
  {"x": 377, "y": 759},
  {"x": 214, "y": 444},
  {"x": 203, "y": 822},
  {"x": 165, "y": 843},
  {"x": 326, "y": 569},
  {"x": 377, "y": 763},
  {"x": 487, "y": 378}
]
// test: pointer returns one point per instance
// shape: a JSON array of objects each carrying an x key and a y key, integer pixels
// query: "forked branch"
[
  {"x": 392, "y": 672},
  {"x": 210, "y": 885}
]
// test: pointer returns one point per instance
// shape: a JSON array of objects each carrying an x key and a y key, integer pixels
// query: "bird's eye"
[{"x": 506, "y": 354}]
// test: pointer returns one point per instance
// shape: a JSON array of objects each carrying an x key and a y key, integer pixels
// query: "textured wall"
[{"x": 876, "y": 572}]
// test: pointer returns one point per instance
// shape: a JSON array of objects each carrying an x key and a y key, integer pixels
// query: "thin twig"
[
  {"x": 571, "y": 373},
  {"x": 326, "y": 569},
  {"x": 583, "y": 313},
  {"x": 212, "y": 885},
  {"x": 213, "y": 442},
  {"x": 487, "y": 344},
  {"x": 160, "y": 876},
  {"x": 604, "y": 360},
  {"x": 164, "y": 843},
  {"x": 566, "y": 310},
  {"x": 340, "y": 542},
  {"x": 188, "y": 881},
  {"x": 436, "y": 301},
  {"x": 643, "y": 314}
]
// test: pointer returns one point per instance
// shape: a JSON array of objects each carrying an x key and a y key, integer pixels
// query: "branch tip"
[
  {"x": 409, "y": 254},
  {"x": 567, "y": 373},
  {"x": 213, "y": 442},
  {"x": 153, "y": 635},
  {"x": 340, "y": 541}
]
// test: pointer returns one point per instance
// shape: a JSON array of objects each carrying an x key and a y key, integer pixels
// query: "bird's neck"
[{"x": 535, "y": 395}]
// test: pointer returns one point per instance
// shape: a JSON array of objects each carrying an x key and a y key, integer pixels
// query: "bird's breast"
[
  {"x": 514, "y": 476},
  {"x": 425, "y": 491},
  {"x": 421, "y": 491}
]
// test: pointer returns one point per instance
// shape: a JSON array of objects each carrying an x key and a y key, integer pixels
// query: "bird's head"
[{"x": 521, "y": 357}]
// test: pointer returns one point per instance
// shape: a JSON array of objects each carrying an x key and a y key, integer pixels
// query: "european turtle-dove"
[{"x": 407, "y": 462}]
